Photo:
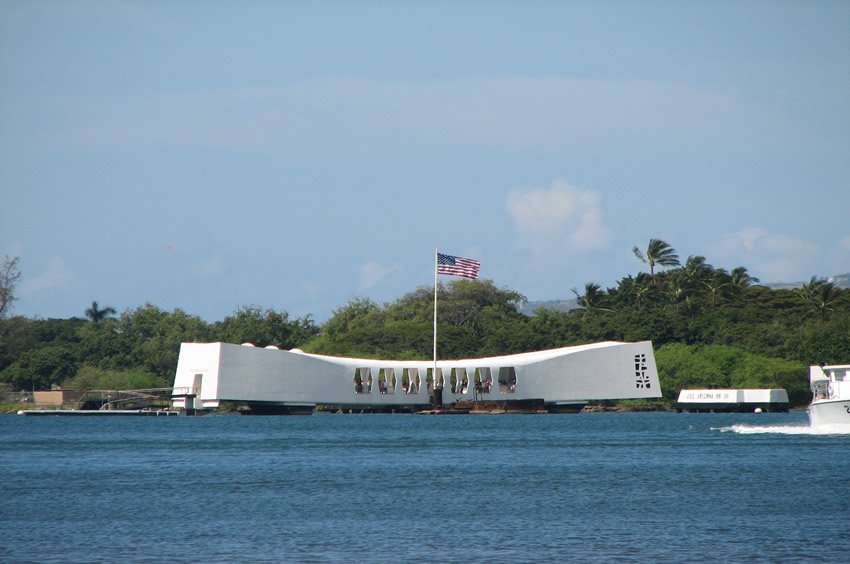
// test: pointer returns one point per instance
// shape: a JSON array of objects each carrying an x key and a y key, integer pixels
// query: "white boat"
[{"x": 830, "y": 395}]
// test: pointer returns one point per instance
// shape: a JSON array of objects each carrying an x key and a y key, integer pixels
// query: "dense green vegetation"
[
  {"x": 710, "y": 327},
  {"x": 138, "y": 349}
]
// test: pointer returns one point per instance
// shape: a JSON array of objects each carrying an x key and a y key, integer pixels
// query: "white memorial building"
[{"x": 270, "y": 380}]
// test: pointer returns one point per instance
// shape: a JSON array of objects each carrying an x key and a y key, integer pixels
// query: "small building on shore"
[
  {"x": 733, "y": 400},
  {"x": 56, "y": 397}
]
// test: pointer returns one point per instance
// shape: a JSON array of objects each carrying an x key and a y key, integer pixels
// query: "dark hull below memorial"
[
  {"x": 518, "y": 406},
  {"x": 473, "y": 407}
]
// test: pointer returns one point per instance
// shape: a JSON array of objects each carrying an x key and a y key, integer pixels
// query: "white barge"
[
  {"x": 269, "y": 380},
  {"x": 732, "y": 400},
  {"x": 830, "y": 395}
]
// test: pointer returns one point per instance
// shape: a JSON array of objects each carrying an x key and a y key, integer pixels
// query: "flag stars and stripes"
[{"x": 457, "y": 266}]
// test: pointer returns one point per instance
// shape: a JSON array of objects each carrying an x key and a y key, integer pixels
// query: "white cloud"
[
  {"x": 57, "y": 275},
  {"x": 845, "y": 243},
  {"x": 772, "y": 257},
  {"x": 372, "y": 272},
  {"x": 563, "y": 215}
]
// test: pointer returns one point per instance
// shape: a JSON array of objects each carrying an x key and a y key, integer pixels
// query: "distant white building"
[
  {"x": 273, "y": 380},
  {"x": 733, "y": 400}
]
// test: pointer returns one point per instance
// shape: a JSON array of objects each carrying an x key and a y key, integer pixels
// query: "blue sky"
[{"x": 295, "y": 155}]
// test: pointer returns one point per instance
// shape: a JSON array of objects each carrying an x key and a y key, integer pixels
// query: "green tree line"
[
  {"x": 137, "y": 349},
  {"x": 709, "y": 327}
]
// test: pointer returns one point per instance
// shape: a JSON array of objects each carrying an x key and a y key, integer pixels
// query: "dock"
[{"x": 100, "y": 412}]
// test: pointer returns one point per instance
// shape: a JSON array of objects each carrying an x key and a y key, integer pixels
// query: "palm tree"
[
  {"x": 639, "y": 288},
  {"x": 96, "y": 315},
  {"x": 742, "y": 278},
  {"x": 593, "y": 299},
  {"x": 657, "y": 252},
  {"x": 820, "y": 294},
  {"x": 678, "y": 288},
  {"x": 719, "y": 284},
  {"x": 692, "y": 276},
  {"x": 696, "y": 269}
]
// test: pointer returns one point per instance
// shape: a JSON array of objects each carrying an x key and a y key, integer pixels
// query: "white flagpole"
[{"x": 436, "y": 262}]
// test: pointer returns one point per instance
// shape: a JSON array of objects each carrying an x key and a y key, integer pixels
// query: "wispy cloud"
[
  {"x": 373, "y": 272},
  {"x": 56, "y": 275},
  {"x": 773, "y": 257},
  {"x": 561, "y": 216}
]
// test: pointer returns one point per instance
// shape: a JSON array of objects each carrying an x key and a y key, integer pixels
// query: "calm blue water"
[{"x": 390, "y": 488}]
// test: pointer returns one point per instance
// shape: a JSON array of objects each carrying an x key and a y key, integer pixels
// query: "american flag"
[{"x": 457, "y": 266}]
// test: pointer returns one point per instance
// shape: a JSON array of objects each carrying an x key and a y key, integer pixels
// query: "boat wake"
[{"x": 785, "y": 429}]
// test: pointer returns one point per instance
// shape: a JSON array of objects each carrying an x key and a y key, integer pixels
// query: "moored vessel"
[{"x": 733, "y": 400}]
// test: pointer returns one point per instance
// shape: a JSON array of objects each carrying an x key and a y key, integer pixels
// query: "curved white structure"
[
  {"x": 830, "y": 395},
  {"x": 208, "y": 373}
]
